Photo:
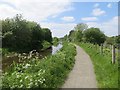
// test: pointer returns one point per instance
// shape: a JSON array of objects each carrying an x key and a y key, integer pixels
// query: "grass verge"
[{"x": 106, "y": 72}]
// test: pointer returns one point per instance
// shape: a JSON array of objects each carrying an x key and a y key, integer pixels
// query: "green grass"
[
  {"x": 106, "y": 72},
  {"x": 49, "y": 72}
]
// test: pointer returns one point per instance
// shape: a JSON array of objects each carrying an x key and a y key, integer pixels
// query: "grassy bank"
[
  {"x": 49, "y": 72},
  {"x": 106, "y": 72}
]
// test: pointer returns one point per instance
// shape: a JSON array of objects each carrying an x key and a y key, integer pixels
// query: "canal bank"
[{"x": 19, "y": 58}]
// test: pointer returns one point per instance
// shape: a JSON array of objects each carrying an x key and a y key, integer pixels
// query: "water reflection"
[{"x": 56, "y": 48}]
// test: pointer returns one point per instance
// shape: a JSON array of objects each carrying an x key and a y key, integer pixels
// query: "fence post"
[
  {"x": 113, "y": 54},
  {"x": 101, "y": 49}
]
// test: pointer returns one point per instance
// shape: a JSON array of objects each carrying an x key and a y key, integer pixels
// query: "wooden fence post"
[
  {"x": 101, "y": 49},
  {"x": 113, "y": 54}
]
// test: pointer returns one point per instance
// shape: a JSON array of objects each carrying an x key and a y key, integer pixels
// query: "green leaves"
[
  {"x": 94, "y": 35},
  {"x": 22, "y": 36}
]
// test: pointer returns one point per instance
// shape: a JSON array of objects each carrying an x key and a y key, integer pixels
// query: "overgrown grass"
[
  {"x": 49, "y": 72},
  {"x": 106, "y": 72}
]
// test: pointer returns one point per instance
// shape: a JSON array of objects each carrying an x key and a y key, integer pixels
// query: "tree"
[
  {"x": 71, "y": 35},
  {"x": 47, "y": 35},
  {"x": 94, "y": 35},
  {"x": 110, "y": 40},
  {"x": 117, "y": 40},
  {"x": 36, "y": 42},
  {"x": 22, "y": 35},
  {"x": 81, "y": 27},
  {"x": 78, "y": 35}
]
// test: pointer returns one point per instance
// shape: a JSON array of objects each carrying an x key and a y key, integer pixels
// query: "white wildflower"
[
  {"x": 27, "y": 65},
  {"x": 21, "y": 80},
  {"x": 21, "y": 86},
  {"x": 26, "y": 77}
]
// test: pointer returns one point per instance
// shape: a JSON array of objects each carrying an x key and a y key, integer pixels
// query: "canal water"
[{"x": 7, "y": 61}]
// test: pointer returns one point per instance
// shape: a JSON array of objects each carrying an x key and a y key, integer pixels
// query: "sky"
[{"x": 62, "y": 16}]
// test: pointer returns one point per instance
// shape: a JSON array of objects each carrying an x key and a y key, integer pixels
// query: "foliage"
[
  {"x": 75, "y": 36},
  {"x": 80, "y": 26},
  {"x": 21, "y": 35},
  {"x": 110, "y": 40},
  {"x": 4, "y": 51},
  {"x": 49, "y": 72},
  {"x": 106, "y": 72},
  {"x": 114, "y": 40},
  {"x": 55, "y": 41},
  {"x": 94, "y": 35},
  {"x": 117, "y": 39},
  {"x": 46, "y": 45},
  {"x": 47, "y": 35}
]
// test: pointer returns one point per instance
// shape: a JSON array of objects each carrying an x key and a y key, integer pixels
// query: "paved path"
[{"x": 82, "y": 75}]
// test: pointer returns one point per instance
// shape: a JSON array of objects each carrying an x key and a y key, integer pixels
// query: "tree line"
[
  {"x": 81, "y": 33},
  {"x": 21, "y": 35}
]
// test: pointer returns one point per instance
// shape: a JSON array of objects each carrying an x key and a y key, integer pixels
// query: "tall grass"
[
  {"x": 49, "y": 72},
  {"x": 106, "y": 72}
]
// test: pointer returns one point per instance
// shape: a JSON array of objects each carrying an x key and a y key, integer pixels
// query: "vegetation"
[
  {"x": 46, "y": 45},
  {"x": 55, "y": 41},
  {"x": 49, "y": 72},
  {"x": 94, "y": 35},
  {"x": 106, "y": 72},
  {"x": 21, "y": 35},
  {"x": 82, "y": 33}
]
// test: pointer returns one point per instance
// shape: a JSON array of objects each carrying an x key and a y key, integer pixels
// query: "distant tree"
[
  {"x": 117, "y": 40},
  {"x": 110, "y": 40},
  {"x": 78, "y": 35},
  {"x": 94, "y": 35},
  {"x": 81, "y": 26}
]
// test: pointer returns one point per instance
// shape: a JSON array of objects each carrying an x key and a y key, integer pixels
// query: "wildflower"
[
  {"x": 27, "y": 65},
  {"x": 30, "y": 80},
  {"x": 43, "y": 71},
  {"x": 36, "y": 84},
  {"x": 8, "y": 56},
  {"x": 21, "y": 86},
  {"x": 44, "y": 79},
  {"x": 26, "y": 77},
  {"x": 21, "y": 80}
]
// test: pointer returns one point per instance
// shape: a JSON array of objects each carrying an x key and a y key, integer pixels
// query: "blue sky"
[
  {"x": 61, "y": 17},
  {"x": 84, "y": 9}
]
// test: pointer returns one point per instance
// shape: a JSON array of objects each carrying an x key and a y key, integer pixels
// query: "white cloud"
[
  {"x": 110, "y": 27},
  {"x": 109, "y": 5},
  {"x": 98, "y": 12},
  {"x": 6, "y": 11},
  {"x": 36, "y": 10},
  {"x": 68, "y": 19},
  {"x": 96, "y": 5},
  {"x": 89, "y": 19},
  {"x": 59, "y": 29}
]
